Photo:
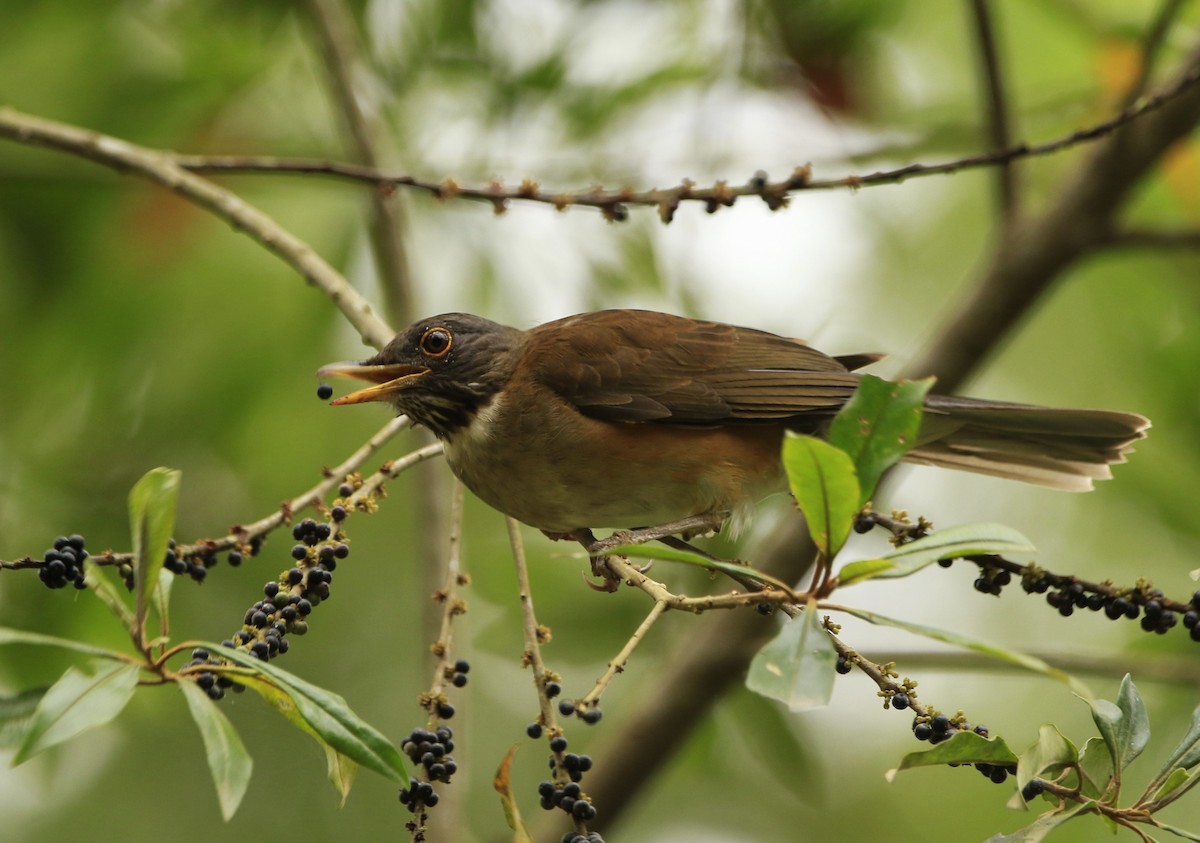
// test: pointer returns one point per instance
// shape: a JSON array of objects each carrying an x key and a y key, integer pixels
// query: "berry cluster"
[
  {"x": 196, "y": 563},
  {"x": 589, "y": 714},
  {"x": 458, "y": 676},
  {"x": 940, "y": 727},
  {"x": 570, "y": 797},
  {"x": 432, "y": 751},
  {"x": 288, "y": 601},
  {"x": 214, "y": 684},
  {"x": 1066, "y": 594},
  {"x": 64, "y": 563},
  {"x": 567, "y": 796}
]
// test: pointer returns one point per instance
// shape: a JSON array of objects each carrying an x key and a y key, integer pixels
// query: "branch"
[
  {"x": 1080, "y": 221},
  {"x": 338, "y": 40},
  {"x": 1134, "y": 238},
  {"x": 997, "y": 105},
  {"x": 163, "y": 168},
  {"x": 614, "y": 204},
  {"x": 1156, "y": 36}
]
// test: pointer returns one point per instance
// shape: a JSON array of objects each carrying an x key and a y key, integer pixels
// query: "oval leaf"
[
  {"x": 1124, "y": 726},
  {"x": 1095, "y": 762},
  {"x": 340, "y": 769},
  {"x": 502, "y": 781},
  {"x": 823, "y": 482},
  {"x": 20, "y": 636},
  {"x": 152, "y": 504},
  {"x": 797, "y": 667},
  {"x": 77, "y": 702},
  {"x": 878, "y": 426},
  {"x": 678, "y": 554},
  {"x": 330, "y": 717},
  {"x": 1031, "y": 663},
  {"x": 228, "y": 760},
  {"x": 1050, "y": 755},
  {"x": 962, "y": 748},
  {"x": 951, "y": 543}
]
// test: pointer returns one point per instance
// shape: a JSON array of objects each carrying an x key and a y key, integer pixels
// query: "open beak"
[{"x": 388, "y": 379}]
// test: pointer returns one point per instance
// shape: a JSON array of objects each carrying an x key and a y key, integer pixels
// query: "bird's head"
[{"x": 439, "y": 371}]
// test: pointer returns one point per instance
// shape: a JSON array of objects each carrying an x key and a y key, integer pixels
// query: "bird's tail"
[{"x": 1059, "y": 448}]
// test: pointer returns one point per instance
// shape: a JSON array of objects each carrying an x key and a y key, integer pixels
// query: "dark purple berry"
[{"x": 324, "y": 392}]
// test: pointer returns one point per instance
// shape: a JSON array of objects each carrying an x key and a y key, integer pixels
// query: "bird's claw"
[{"x": 609, "y": 581}]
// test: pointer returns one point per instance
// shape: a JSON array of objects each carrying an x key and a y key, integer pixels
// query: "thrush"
[{"x": 629, "y": 418}]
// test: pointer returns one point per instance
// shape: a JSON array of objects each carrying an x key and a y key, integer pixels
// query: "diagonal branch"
[
  {"x": 1156, "y": 36},
  {"x": 162, "y": 168},
  {"x": 1080, "y": 221},
  {"x": 999, "y": 135},
  {"x": 334, "y": 28}
]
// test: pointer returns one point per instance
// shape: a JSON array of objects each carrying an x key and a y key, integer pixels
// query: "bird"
[{"x": 632, "y": 418}]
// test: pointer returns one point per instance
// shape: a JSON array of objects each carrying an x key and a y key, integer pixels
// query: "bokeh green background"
[{"x": 138, "y": 331}]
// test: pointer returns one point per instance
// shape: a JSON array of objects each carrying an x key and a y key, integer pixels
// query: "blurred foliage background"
[{"x": 138, "y": 331}]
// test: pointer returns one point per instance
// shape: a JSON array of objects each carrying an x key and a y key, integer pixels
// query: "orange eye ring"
[{"x": 436, "y": 342}]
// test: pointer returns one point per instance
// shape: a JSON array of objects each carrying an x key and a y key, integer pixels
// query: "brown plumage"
[{"x": 629, "y": 418}]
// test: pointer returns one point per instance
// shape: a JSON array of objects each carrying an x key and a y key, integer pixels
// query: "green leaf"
[
  {"x": 951, "y": 543},
  {"x": 160, "y": 599},
  {"x": 20, "y": 636},
  {"x": 1021, "y": 660},
  {"x": 797, "y": 667},
  {"x": 1125, "y": 726},
  {"x": 1049, "y": 756},
  {"x": 512, "y": 815},
  {"x": 1175, "y": 780},
  {"x": 1187, "y": 753},
  {"x": 1096, "y": 764},
  {"x": 228, "y": 760},
  {"x": 962, "y": 748},
  {"x": 97, "y": 580},
  {"x": 1043, "y": 825},
  {"x": 340, "y": 769},
  {"x": 863, "y": 570},
  {"x": 823, "y": 482},
  {"x": 78, "y": 702},
  {"x": 678, "y": 554},
  {"x": 152, "y": 504},
  {"x": 329, "y": 715},
  {"x": 878, "y": 426},
  {"x": 1178, "y": 832},
  {"x": 16, "y": 714}
]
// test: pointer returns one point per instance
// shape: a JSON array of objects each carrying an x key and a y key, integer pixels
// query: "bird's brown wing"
[{"x": 641, "y": 366}]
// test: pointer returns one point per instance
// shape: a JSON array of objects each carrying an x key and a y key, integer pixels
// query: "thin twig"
[
  {"x": 617, "y": 665},
  {"x": 163, "y": 168},
  {"x": 999, "y": 134},
  {"x": 1156, "y": 36},
  {"x": 241, "y": 534},
  {"x": 452, "y": 607},
  {"x": 533, "y": 650},
  {"x": 614, "y": 202},
  {"x": 1136, "y": 238}
]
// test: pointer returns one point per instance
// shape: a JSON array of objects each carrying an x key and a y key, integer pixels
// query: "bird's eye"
[{"x": 436, "y": 342}]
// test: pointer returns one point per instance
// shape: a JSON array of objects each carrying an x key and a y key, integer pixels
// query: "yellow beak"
[{"x": 388, "y": 379}]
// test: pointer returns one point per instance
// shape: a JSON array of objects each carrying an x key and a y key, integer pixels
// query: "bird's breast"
[{"x": 550, "y": 466}]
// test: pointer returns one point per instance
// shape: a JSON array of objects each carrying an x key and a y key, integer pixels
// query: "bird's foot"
[{"x": 608, "y": 581}]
